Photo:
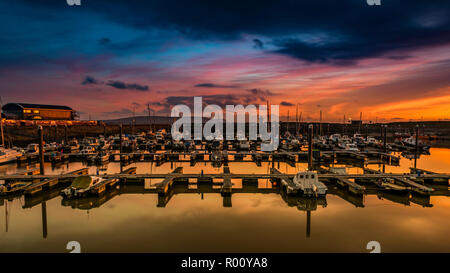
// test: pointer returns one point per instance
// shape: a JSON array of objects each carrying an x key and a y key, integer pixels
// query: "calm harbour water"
[{"x": 256, "y": 222}]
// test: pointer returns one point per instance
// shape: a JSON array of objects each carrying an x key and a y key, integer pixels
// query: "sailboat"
[{"x": 8, "y": 155}]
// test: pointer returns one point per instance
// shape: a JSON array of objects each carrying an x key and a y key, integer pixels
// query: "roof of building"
[{"x": 40, "y": 106}]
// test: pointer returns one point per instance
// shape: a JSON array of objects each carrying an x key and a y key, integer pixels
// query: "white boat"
[
  {"x": 308, "y": 182},
  {"x": 80, "y": 186},
  {"x": 88, "y": 150},
  {"x": 48, "y": 147},
  {"x": 358, "y": 137},
  {"x": 373, "y": 142},
  {"x": 8, "y": 155},
  {"x": 335, "y": 137},
  {"x": 411, "y": 142},
  {"x": 73, "y": 145},
  {"x": 352, "y": 147},
  {"x": 32, "y": 148}
]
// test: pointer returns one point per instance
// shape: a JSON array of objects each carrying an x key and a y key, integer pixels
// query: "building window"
[
  {"x": 36, "y": 111},
  {"x": 27, "y": 111}
]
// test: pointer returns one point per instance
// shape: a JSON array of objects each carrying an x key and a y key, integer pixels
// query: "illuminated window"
[
  {"x": 27, "y": 111},
  {"x": 36, "y": 111}
]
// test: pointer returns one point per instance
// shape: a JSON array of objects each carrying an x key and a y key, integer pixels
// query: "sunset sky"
[{"x": 108, "y": 57}]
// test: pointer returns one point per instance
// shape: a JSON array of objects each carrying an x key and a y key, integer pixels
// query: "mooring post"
[
  {"x": 417, "y": 146},
  {"x": 1, "y": 129},
  {"x": 120, "y": 137},
  {"x": 381, "y": 133},
  {"x": 66, "y": 141},
  {"x": 41, "y": 148},
  {"x": 310, "y": 146}
]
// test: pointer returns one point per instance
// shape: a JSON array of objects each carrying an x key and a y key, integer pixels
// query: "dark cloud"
[
  {"x": 116, "y": 84},
  {"x": 258, "y": 44},
  {"x": 212, "y": 85},
  {"x": 252, "y": 96},
  {"x": 325, "y": 31},
  {"x": 130, "y": 86},
  {"x": 285, "y": 103},
  {"x": 104, "y": 41},
  {"x": 89, "y": 80}
]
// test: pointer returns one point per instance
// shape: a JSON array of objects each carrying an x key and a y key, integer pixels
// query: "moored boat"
[
  {"x": 388, "y": 184},
  {"x": 8, "y": 155},
  {"x": 308, "y": 182},
  {"x": 80, "y": 186}
]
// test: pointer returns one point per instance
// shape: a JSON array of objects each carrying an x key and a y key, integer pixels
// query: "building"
[
  {"x": 26, "y": 111},
  {"x": 357, "y": 122}
]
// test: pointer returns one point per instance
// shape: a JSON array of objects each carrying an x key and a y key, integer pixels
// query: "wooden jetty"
[
  {"x": 301, "y": 202},
  {"x": 406, "y": 180},
  {"x": 41, "y": 185},
  {"x": 353, "y": 187},
  {"x": 163, "y": 187},
  {"x": 421, "y": 172},
  {"x": 100, "y": 187},
  {"x": 227, "y": 185},
  {"x": 217, "y": 157},
  {"x": 45, "y": 184}
]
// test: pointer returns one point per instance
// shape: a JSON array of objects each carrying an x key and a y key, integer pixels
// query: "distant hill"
[
  {"x": 141, "y": 120},
  {"x": 144, "y": 120}
]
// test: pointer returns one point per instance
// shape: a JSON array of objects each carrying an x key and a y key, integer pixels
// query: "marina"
[{"x": 311, "y": 175}]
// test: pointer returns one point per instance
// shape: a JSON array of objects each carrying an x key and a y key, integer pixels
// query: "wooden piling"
[
  {"x": 310, "y": 146},
  {"x": 417, "y": 146},
  {"x": 66, "y": 141},
  {"x": 120, "y": 137},
  {"x": 41, "y": 149}
]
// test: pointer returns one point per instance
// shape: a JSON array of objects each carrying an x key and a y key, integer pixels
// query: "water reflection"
[{"x": 256, "y": 217}]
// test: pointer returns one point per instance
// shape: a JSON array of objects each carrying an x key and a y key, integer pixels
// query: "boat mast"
[
  {"x": 1, "y": 122},
  {"x": 296, "y": 121}
]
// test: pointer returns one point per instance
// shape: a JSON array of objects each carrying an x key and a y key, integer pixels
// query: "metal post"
[
  {"x": 41, "y": 148},
  {"x": 381, "y": 132},
  {"x": 65, "y": 136},
  {"x": 1, "y": 123},
  {"x": 310, "y": 146},
  {"x": 385, "y": 138},
  {"x": 417, "y": 146},
  {"x": 1, "y": 128},
  {"x": 120, "y": 137},
  {"x": 360, "y": 123}
]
